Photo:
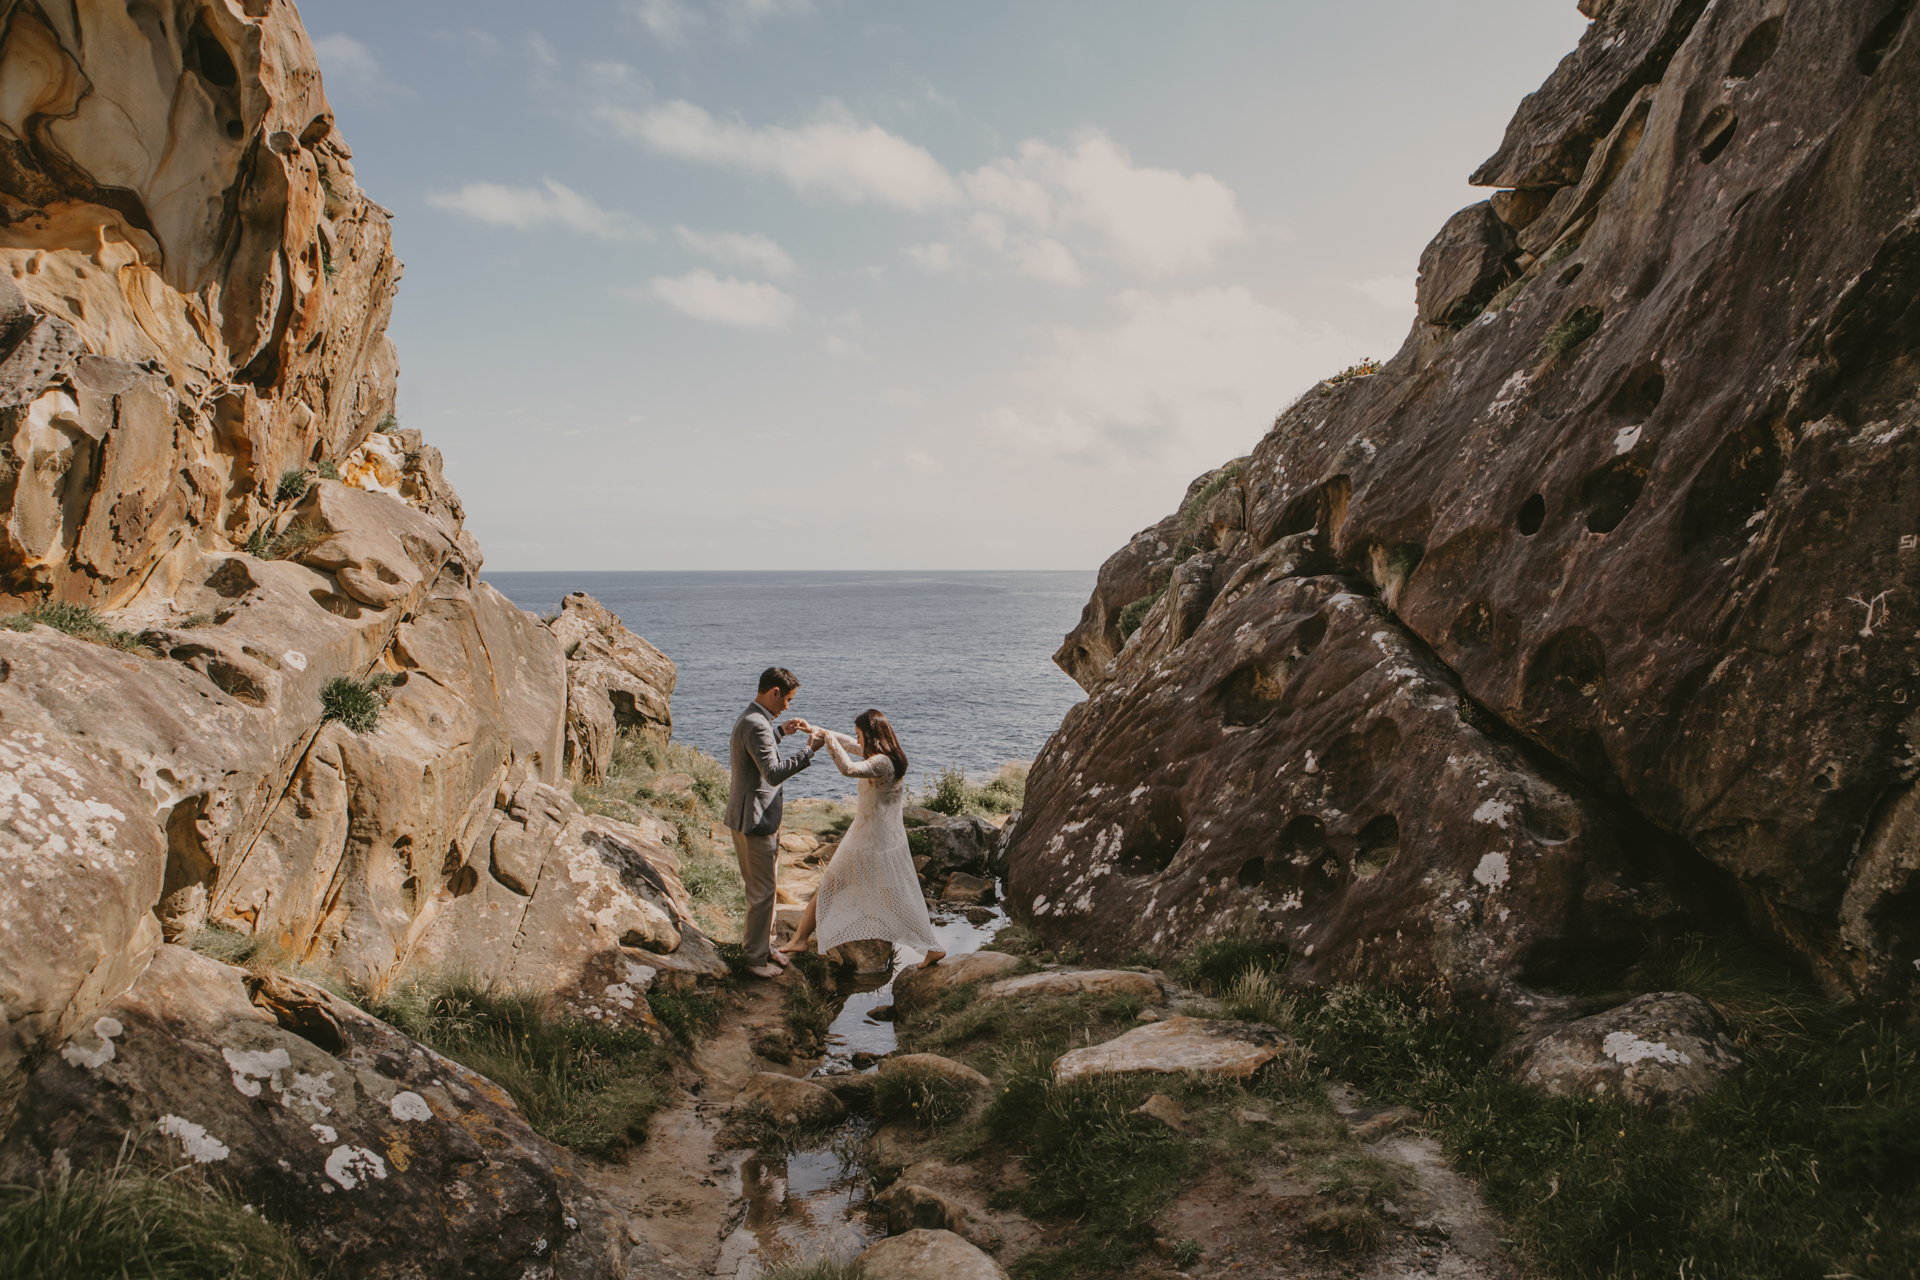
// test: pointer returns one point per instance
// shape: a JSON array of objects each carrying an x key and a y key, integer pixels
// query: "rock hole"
[
  {"x": 1308, "y": 635},
  {"x": 209, "y": 57},
  {"x": 236, "y": 683},
  {"x": 1250, "y": 694},
  {"x": 1544, "y": 825},
  {"x": 1880, "y": 41},
  {"x": 1567, "y": 672},
  {"x": 1379, "y": 842},
  {"x": 1639, "y": 394},
  {"x": 1732, "y": 488},
  {"x": 231, "y": 579},
  {"x": 464, "y": 881},
  {"x": 1149, "y": 847},
  {"x": 1473, "y": 626},
  {"x": 1756, "y": 50},
  {"x": 1609, "y": 494},
  {"x": 1571, "y": 274},
  {"x": 1322, "y": 508},
  {"x": 1304, "y": 837},
  {"x": 342, "y": 606},
  {"x": 1643, "y": 284},
  {"x": 1252, "y": 873},
  {"x": 1532, "y": 514},
  {"x": 1716, "y": 131},
  {"x": 236, "y": 130}
]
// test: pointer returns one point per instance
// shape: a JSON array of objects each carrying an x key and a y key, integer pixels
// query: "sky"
[{"x": 853, "y": 284}]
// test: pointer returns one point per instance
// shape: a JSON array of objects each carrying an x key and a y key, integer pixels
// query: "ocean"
[{"x": 961, "y": 662}]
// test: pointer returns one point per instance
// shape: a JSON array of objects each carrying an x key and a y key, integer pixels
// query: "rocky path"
[{"x": 707, "y": 1209}]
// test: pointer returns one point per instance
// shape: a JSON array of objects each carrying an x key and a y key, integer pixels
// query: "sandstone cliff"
[
  {"x": 197, "y": 440},
  {"x": 1592, "y": 613}
]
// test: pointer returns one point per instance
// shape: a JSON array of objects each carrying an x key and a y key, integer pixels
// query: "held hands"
[{"x": 816, "y": 738}]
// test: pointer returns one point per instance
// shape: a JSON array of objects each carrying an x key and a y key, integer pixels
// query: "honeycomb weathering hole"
[
  {"x": 1716, "y": 131},
  {"x": 1532, "y": 514},
  {"x": 1639, "y": 393},
  {"x": 1609, "y": 494},
  {"x": 1732, "y": 488},
  {"x": 1569, "y": 668},
  {"x": 1756, "y": 50},
  {"x": 1252, "y": 872},
  {"x": 1880, "y": 41},
  {"x": 1379, "y": 842},
  {"x": 1250, "y": 694},
  {"x": 1150, "y": 844}
]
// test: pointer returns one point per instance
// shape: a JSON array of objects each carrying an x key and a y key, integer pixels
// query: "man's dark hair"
[{"x": 778, "y": 678}]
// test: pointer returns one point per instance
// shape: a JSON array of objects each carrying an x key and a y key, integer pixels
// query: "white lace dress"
[{"x": 869, "y": 889}]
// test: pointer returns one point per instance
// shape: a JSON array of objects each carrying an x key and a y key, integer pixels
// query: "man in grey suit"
[{"x": 754, "y": 803}]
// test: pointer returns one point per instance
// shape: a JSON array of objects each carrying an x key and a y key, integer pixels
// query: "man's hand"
[
  {"x": 816, "y": 739},
  {"x": 796, "y": 725}
]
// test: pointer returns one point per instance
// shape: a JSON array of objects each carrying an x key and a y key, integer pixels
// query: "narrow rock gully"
[{"x": 708, "y": 1208}]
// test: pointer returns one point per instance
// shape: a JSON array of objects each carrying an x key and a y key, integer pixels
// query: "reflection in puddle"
[{"x": 805, "y": 1206}]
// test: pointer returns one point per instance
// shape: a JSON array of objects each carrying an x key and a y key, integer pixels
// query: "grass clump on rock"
[
  {"x": 295, "y": 538},
  {"x": 354, "y": 703},
  {"x": 1136, "y": 613},
  {"x": 80, "y": 621},
  {"x": 579, "y": 1083},
  {"x": 954, "y": 796},
  {"x": 293, "y": 486},
  {"x": 1574, "y": 329},
  {"x": 119, "y": 1222}
]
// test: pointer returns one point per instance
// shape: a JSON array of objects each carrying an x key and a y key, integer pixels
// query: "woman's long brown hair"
[{"x": 879, "y": 734}]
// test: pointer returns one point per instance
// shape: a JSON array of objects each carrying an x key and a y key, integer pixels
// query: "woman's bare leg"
[
  {"x": 802, "y": 931},
  {"x": 933, "y": 958}
]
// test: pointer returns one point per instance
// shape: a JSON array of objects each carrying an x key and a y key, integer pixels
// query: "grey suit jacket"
[{"x": 754, "y": 800}]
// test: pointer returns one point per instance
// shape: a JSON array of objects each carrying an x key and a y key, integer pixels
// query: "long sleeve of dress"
[{"x": 880, "y": 767}]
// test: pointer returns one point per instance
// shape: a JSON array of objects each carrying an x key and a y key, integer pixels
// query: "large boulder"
[
  {"x": 1566, "y": 557},
  {"x": 1076, "y": 982},
  {"x": 918, "y": 988},
  {"x": 615, "y": 681},
  {"x": 1659, "y": 1051},
  {"x": 793, "y": 1104},
  {"x": 381, "y": 1156}
]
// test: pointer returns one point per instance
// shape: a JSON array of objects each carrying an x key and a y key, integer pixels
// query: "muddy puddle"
[{"x": 811, "y": 1203}]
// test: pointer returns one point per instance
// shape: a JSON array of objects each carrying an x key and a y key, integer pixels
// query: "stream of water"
[{"x": 808, "y": 1204}]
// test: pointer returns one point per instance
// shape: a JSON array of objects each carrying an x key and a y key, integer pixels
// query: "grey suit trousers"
[{"x": 757, "y": 856}]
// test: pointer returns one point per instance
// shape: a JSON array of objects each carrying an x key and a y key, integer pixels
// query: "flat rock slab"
[
  {"x": 1659, "y": 1051},
  {"x": 918, "y": 988},
  {"x": 922, "y": 1254},
  {"x": 932, "y": 1064},
  {"x": 1207, "y": 1045},
  {"x": 1093, "y": 982}
]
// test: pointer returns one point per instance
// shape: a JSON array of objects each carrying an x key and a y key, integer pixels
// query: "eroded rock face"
[
  {"x": 1635, "y": 550},
  {"x": 381, "y": 1156},
  {"x": 615, "y": 681},
  {"x": 207, "y": 288}
]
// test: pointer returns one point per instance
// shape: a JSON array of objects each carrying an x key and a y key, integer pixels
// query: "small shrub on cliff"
[
  {"x": 119, "y": 1222},
  {"x": 1575, "y": 329},
  {"x": 354, "y": 703},
  {"x": 1196, "y": 506},
  {"x": 1136, "y": 613},
  {"x": 292, "y": 487},
  {"x": 579, "y": 1083},
  {"x": 295, "y": 538},
  {"x": 328, "y": 469},
  {"x": 1365, "y": 369}
]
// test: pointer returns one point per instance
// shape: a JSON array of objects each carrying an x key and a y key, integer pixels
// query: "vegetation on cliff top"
[
  {"x": 80, "y": 621},
  {"x": 954, "y": 796}
]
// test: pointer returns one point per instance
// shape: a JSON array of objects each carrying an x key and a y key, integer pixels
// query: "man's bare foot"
[
  {"x": 775, "y": 956},
  {"x": 933, "y": 958},
  {"x": 765, "y": 971}
]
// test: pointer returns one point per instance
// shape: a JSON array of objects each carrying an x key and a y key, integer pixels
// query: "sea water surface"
[{"x": 961, "y": 662}]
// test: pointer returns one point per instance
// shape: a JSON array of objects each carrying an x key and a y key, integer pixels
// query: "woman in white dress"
[{"x": 869, "y": 889}]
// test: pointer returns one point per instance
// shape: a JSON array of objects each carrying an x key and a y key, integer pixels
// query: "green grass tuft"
[
  {"x": 354, "y": 703},
  {"x": 1212, "y": 967},
  {"x": 1573, "y": 330},
  {"x": 953, "y": 795},
  {"x": 1196, "y": 506},
  {"x": 292, "y": 487},
  {"x": 1136, "y": 613},
  {"x": 295, "y": 538},
  {"x": 928, "y": 1100},
  {"x": 820, "y": 1269},
  {"x": 121, "y": 1223},
  {"x": 579, "y": 1083},
  {"x": 80, "y": 621},
  {"x": 328, "y": 470}
]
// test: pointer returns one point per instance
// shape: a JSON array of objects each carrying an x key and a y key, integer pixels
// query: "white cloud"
[
  {"x": 753, "y": 251},
  {"x": 841, "y": 349},
  {"x": 349, "y": 67},
  {"x": 1388, "y": 291},
  {"x": 529, "y": 208},
  {"x": 835, "y": 156},
  {"x": 668, "y": 20},
  {"x": 1157, "y": 221},
  {"x": 1185, "y": 380},
  {"x": 671, "y": 21},
  {"x": 918, "y": 460},
  {"x": 744, "y": 304},
  {"x": 1042, "y": 259},
  {"x": 937, "y": 258}
]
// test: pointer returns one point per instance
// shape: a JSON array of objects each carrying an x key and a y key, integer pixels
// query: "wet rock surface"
[{"x": 1472, "y": 691}]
